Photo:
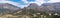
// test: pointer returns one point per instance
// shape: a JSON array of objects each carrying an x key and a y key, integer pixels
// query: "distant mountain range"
[
  {"x": 9, "y": 8},
  {"x": 45, "y": 7},
  {"x": 52, "y": 6}
]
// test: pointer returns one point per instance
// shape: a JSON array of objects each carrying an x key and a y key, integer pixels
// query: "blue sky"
[{"x": 20, "y": 1}]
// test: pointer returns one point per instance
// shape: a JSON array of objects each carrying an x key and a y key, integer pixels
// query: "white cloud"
[
  {"x": 39, "y": 2},
  {"x": 53, "y": 1},
  {"x": 25, "y": 1}
]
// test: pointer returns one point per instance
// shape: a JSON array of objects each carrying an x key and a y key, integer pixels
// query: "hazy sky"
[{"x": 25, "y": 3}]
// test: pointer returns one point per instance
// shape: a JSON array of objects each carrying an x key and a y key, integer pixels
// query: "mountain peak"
[{"x": 32, "y": 6}]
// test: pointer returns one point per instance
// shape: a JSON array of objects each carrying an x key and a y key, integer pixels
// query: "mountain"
[
  {"x": 33, "y": 6},
  {"x": 51, "y": 6},
  {"x": 8, "y": 8}
]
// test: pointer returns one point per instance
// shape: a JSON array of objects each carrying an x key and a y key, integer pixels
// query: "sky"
[{"x": 25, "y": 3}]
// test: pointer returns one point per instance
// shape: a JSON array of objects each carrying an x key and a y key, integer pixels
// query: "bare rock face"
[
  {"x": 7, "y": 8},
  {"x": 33, "y": 6},
  {"x": 52, "y": 6}
]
